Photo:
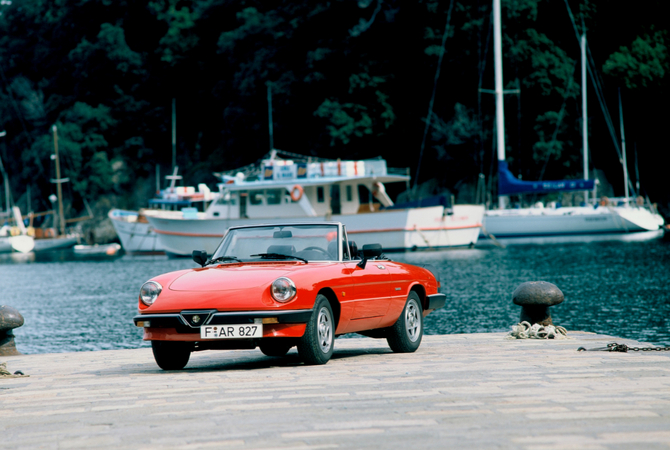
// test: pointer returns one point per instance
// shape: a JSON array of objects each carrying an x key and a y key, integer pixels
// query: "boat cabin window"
[
  {"x": 350, "y": 194},
  {"x": 319, "y": 194},
  {"x": 226, "y": 200},
  {"x": 275, "y": 196},
  {"x": 256, "y": 197}
]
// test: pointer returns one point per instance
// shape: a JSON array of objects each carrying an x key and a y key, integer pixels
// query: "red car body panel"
[{"x": 369, "y": 298}]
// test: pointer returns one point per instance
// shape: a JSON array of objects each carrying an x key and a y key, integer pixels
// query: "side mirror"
[
  {"x": 369, "y": 251},
  {"x": 372, "y": 251},
  {"x": 200, "y": 257}
]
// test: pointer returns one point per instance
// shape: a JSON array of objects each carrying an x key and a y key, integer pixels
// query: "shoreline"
[{"x": 479, "y": 390}]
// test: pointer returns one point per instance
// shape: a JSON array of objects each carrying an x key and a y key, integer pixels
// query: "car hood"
[{"x": 228, "y": 278}]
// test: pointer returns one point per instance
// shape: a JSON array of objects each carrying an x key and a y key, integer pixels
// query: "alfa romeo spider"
[{"x": 281, "y": 286}]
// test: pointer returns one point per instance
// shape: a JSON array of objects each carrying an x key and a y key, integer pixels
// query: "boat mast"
[
  {"x": 585, "y": 128},
  {"x": 174, "y": 133},
  {"x": 4, "y": 176},
  {"x": 270, "y": 126},
  {"x": 500, "y": 116},
  {"x": 623, "y": 152},
  {"x": 58, "y": 181}
]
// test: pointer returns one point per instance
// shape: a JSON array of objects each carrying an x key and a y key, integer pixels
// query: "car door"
[{"x": 370, "y": 293}]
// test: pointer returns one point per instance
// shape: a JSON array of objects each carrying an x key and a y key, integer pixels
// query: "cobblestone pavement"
[{"x": 475, "y": 391}]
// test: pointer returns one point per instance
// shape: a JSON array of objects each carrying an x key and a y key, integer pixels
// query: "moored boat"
[
  {"x": 351, "y": 192},
  {"x": 134, "y": 231},
  {"x": 597, "y": 216}
]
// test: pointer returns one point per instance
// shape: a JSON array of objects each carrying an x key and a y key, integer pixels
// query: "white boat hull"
[
  {"x": 55, "y": 243},
  {"x": 395, "y": 230},
  {"x": 97, "y": 250},
  {"x": 20, "y": 243},
  {"x": 135, "y": 237},
  {"x": 587, "y": 220}
]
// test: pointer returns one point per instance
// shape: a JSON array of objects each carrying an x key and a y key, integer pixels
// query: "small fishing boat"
[{"x": 97, "y": 250}]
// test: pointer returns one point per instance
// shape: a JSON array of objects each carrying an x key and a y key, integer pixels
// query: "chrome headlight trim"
[
  {"x": 149, "y": 292},
  {"x": 283, "y": 289}
]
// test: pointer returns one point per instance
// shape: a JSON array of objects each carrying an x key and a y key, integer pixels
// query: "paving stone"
[{"x": 474, "y": 390}]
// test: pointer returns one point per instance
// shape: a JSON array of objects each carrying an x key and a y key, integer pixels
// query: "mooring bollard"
[
  {"x": 10, "y": 318},
  {"x": 535, "y": 298}
]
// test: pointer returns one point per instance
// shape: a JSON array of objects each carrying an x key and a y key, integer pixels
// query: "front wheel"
[
  {"x": 405, "y": 335},
  {"x": 316, "y": 345},
  {"x": 171, "y": 355}
]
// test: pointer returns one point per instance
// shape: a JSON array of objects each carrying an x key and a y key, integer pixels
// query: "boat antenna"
[
  {"x": 272, "y": 144},
  {"x": 174, "y": 132},
  {"x": 432, "y": 97}
]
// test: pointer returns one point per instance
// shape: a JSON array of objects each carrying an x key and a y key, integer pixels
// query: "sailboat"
[
  {"x": 13, "y": 233},
  {"x": 56, "y": 238},
  {"x": 593, "y": 217}
]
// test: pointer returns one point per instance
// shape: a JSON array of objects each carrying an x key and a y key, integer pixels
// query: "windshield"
[{"x": 299, "y": 242}]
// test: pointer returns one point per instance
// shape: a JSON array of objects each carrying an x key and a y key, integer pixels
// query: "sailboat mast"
[
  {"x": 500, "y": 115},
  {"x": 585, "y": 117},
  {"x": 59, "y": 189},
  {"x": 624, "y": 162}
]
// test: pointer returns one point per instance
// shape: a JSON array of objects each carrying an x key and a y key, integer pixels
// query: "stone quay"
[{"x": 476, "y": 391}]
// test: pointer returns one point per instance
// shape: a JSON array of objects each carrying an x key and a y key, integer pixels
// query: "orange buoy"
[{"x": 296, "y": 193}]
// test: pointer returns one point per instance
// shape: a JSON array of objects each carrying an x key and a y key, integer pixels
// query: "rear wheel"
[
  {"x": 275, "y": 347},
  {"x": 316, "y": 345},
  {"x": 171, "y": 355},
  {"x": 405, "y": 335}
]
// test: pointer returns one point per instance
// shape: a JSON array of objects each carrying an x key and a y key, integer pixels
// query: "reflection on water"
[{"x": 616, "y": 288}]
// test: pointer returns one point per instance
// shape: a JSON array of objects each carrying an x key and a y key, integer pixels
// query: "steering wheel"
[{"x": 318, "y": 249}]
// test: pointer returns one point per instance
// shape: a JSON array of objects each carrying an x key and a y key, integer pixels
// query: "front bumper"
[
  {"x": 436, "y": 301},
  {"x": 184, "y": 322}
]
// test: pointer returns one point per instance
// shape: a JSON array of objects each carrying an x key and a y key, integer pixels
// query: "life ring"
[
  {"x": 296, "y": 193},
  {"x": 604, "y": 201}
]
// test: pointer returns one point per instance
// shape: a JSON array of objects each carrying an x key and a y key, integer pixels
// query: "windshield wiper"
[
  {"x": 223, "y": 258},
  {"x": 279, "y": 256}
]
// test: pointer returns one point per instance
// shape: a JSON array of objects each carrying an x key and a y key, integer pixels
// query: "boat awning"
[
  {"x": 164, "y": 202},
  {"x": 317, "y": 181},
  {"x": 508, "y": 184}
]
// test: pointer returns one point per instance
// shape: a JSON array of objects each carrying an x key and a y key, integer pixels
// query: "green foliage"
[
  {"x": 642, "y": 65},
  {"x": 179, "y": 38},
  {"x": 345, "y": 120},
  {"x": 347, "y": 78}
]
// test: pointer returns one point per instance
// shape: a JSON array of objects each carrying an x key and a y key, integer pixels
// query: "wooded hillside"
[{"x": 349, "y": 79}]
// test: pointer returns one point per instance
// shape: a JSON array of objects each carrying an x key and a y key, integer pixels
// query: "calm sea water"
[{"x": 610, "y": 287}]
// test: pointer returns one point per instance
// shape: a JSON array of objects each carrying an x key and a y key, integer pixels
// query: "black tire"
[
  {"x": 275, "y": 347},
  {"x": 316, "y": 345},
  {"x": 405, "y": 335},
  {"x": 171, "y": 355}
]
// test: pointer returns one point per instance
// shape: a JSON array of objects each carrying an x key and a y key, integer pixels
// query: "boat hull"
[
  {"x": 135, "y": 237},
  {"x": 396, "y": 230},
  {"x": 55, "y": 243},
  {"x": 531, "y": 222}
]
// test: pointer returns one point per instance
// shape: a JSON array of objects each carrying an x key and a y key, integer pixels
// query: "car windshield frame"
[{"x": 293, "y": 242}]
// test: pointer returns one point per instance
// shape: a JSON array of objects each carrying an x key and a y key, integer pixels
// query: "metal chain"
[{"x": 623, "y": 348}]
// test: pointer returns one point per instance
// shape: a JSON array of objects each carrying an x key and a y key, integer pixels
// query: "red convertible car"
[{"x": 284, "y": 285}]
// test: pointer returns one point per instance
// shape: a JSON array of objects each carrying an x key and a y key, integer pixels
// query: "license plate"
[{"x": 233, "y": 331}]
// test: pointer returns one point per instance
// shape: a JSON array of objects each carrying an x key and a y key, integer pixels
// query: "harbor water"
[{"x": 611, "y": 287}]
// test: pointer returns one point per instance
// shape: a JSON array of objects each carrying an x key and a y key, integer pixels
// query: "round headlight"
[
  {"x": 149, "y": 292},
  {"x": 283, "y": 289}
]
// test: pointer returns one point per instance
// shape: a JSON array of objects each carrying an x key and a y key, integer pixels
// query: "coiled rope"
[{"x": 524, "y": 330}]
